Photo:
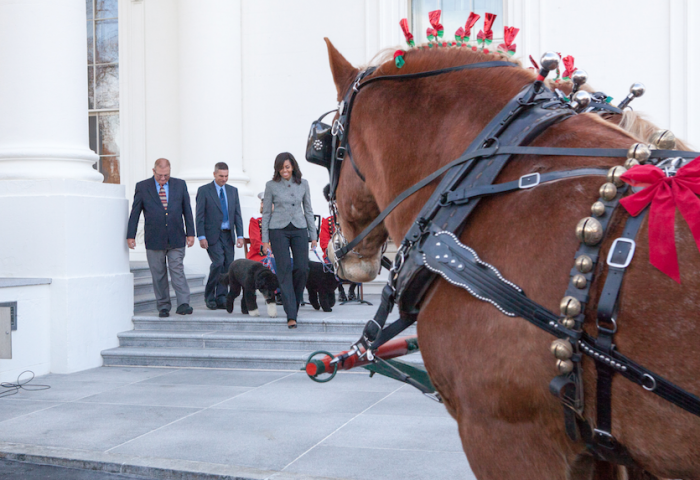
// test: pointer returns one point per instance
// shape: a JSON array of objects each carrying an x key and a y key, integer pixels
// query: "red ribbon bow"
[
  {"x": 484, "y": 36},
  {"x": 569, "y": 68},
  {"x": 665, "y": 194},
  {"x": 406, "y": 32},
  {"x": 434, "y": 18},
  {"x": 509, "y": 34},
  {"x": 431, "y": 32},
  {"x": 473, "y": 18},
  {"x": 459, "y": 33},
  {"x": 487, "y": 34}
]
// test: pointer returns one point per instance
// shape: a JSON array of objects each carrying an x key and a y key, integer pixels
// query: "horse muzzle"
[{"x": 352, "y": 266}]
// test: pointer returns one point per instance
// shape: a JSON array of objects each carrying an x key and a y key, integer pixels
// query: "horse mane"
[{"x": 423, "y": 58}]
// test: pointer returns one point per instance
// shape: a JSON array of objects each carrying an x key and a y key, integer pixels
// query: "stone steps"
[
  {"x": 214, "y": 358},
  {"x": 289, "y": 341},
  {"x": 217, "y": 339}
]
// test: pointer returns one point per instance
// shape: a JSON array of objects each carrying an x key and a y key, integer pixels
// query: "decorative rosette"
[
  {"x": 398, "y": 58},
  {"x": 459, "y": 35},
  {"x": 407, "y": 33},
  {"x": 473, "y": 18},
  {"x": 569, "y": 68},
  {"x": 485, "y": 36},
  {"x": 436, "y": 30},
  {"x": 509, "y": 34}
]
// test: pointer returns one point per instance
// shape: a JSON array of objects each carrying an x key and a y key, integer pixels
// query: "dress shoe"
[
  {"x": 163, "y": 313},
  {"x": 211, "y": 304},
  {"x": 351, "y": 296},
  {"x": 291, "y": 323},
  {"x": 184, "y": 309}
]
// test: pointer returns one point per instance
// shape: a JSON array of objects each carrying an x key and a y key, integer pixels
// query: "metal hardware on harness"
[
  {"x": 529, "y": 181},
  {"x": 670, "y": 166},
  {"x": 337, "y": 127},
  {"x": 628, "y": 254},
  {"x": 646, "y": 376}
]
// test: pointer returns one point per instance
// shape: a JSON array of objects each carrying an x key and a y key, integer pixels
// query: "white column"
[
  {"x": 43, "y": 91},
  {"x": 60, "y": 221},
  {"x": 211, "y": 128}
]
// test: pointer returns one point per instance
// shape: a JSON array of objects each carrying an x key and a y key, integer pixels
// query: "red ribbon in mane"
[
  {"x": 509, "y": 34},
  {"x": 406, "y": 32},
  {"x": 473, "y": 18},
  {"x": 434, "y": 18},
  {"x": 569, "y": 68},
  {"x": 459, "y": 34},
  {"x": 665, "y": 194},
  {"x": 486, "y": 35}
]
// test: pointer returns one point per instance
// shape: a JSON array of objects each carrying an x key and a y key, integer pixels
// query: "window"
[
  {"x": 454, "y": 15},
  {"x": 103, "y": 85}
]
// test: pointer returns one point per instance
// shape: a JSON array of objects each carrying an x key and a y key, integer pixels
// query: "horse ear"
[{"x": 343, "y": 72}]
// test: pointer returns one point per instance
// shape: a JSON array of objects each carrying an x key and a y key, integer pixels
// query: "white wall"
[
  {"x": 31, "y": 342},
  {"x": 286, "y": 81}
]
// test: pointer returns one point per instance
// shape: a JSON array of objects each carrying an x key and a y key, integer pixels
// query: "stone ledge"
[
  {"x": 143, "y": 466},
  {"x": 6, "y": 282}
]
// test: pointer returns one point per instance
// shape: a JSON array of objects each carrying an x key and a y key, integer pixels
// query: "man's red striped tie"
[{"x": 163, "y": 197}]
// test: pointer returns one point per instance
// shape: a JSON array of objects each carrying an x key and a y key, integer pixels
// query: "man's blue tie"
[{"x": 224, "y": 207}]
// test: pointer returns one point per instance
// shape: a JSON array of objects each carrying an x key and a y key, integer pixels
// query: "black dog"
[
  {"x": 321, "y": 285},
  {"x": 251, "y": 276}
]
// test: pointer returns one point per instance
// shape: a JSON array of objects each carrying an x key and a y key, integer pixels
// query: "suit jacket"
[
  {"x": 163, "y": 229},
  {"x": 209, "y": 213}
]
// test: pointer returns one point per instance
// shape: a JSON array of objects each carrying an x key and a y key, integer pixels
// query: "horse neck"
[{"x": 425, "y": 127}]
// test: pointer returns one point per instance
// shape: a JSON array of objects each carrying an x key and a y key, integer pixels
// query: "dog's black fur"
[
  {"x": 321, "y": 286},
  {"x": 250, "y": 276}
]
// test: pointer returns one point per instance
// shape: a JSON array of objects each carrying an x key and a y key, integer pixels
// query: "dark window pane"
[
  {"x": 107, "y": 87},
  {"x": 92, "y": 125},
  {"x": 91, "y": 88},
  {"x": 88, "y": 9},
  {"x": 109, "y": 167},
  {"x": 109, "y": 133},
  {"x": 90, "y": 44},
  {"x": 106, "y": 9},
  {"x": 107, "y": 41}
]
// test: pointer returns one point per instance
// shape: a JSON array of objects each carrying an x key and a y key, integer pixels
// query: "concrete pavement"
[{"x": 243, "y": 424}]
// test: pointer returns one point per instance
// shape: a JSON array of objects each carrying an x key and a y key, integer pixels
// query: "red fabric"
[
  {"x": 459, "y": 33},
  {"x": 398, "y": 53},
  {"x": 431, "y": 32},
  {"x": 406, "y": 32},
  {"x": 569, "y": 68},
  {"x": 327, "y": 231},
  {"x": 534, "y": 63},
  {"x": 473, "y": 18},
  {"x": 509, "y": 34},
  {"x": 255, "y": 234},
  {"x": 434, "y": 18},
  {"x": 485, "y": 36},
  {"x": 665, "y": 194}
]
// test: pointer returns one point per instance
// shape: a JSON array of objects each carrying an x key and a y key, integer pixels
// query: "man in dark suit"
[
  {"x": 164, "y": 201},
  {"x": 218, "y": 213}
]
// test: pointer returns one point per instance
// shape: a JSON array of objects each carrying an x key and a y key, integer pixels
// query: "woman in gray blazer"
[{"x": 289, "y": 225}]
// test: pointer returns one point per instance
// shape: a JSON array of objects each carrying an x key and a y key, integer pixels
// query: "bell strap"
[{"x": 463, "y": 195}]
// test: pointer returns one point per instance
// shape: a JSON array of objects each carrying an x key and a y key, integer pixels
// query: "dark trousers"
[
  {"x": 292, "y": 280},
  {"x": 221, "y": 255}
]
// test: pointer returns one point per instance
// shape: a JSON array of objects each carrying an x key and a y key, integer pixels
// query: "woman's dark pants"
[{"x": 292, "y": 281}]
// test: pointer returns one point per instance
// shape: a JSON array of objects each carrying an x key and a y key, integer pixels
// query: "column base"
[
  {"x": 48, "y": 163},
  {"x": 73, "y": 232}
]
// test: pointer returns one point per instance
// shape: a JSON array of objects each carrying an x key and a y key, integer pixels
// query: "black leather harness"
[{"x": 431, "y": 249}]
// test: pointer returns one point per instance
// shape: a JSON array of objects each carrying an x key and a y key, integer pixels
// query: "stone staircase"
[
  {"x": 145, "y": 299},
  {"x": 217, "y": 339}
]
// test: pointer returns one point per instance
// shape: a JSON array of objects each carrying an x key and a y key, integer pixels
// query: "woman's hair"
[{"x": 279, "y": 162}]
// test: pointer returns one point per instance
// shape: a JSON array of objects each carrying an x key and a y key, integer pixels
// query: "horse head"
[{"x": 355, "y": 204}]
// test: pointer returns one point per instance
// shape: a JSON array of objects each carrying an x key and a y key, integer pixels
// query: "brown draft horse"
[{"x": 493, "y": 371}]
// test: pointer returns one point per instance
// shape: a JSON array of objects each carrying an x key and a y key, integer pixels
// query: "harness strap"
[
  {"x": 495, "y": 149},
  {"x": 463, "y": 195}
]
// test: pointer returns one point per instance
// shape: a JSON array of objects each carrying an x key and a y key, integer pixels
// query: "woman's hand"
[
  {"x": 266, "y": 247},
  {"x": 314, "y": 243}
]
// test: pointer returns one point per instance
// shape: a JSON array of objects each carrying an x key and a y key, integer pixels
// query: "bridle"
[{"x": 431, "y": 248}]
